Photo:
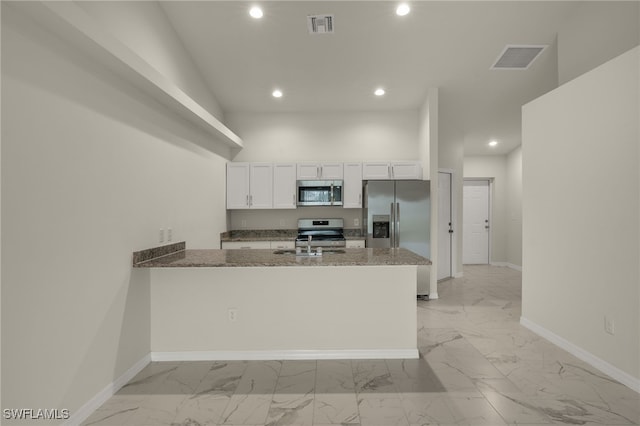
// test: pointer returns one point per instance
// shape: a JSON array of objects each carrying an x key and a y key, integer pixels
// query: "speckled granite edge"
[
  {"x": 259, "y": 234},
  {"x": 275, "y": 234},
  {"x": 155, "y": 252},
  {"x": 212, "y": 258}
]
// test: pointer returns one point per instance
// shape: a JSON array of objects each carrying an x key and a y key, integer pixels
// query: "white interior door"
[
  {"x": 444, "y": 225},
  {"x": 475, "y": 222}
]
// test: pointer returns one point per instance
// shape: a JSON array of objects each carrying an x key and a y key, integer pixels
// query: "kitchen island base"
[{"x": 306, "y": 312}]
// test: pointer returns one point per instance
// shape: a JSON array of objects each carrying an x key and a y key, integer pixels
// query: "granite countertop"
[
  {"x": 259, "y": 235},
  {"x": 267, "y": 257},
  {"x": 276, "y": 235}
]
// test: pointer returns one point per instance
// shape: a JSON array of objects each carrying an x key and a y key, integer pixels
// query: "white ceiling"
[{"x": 450, "y": 45}]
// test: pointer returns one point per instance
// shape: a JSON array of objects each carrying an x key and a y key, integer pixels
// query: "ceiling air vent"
[
  {"x": 320, "y": 24},
  {"x": 517, "y": 57}
]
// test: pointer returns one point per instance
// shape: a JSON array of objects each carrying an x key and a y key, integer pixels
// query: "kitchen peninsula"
[{"x": 273, "y": 304}]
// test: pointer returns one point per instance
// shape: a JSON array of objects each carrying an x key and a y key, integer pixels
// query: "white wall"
[
  {"x": 596, "y": 33},
  {"x": 288, "y": 219},
  {"x": 450, "y": 156},
  {"x": 581, "y": 234},
  {"x": 144, "y": 27},
  {"x": 368, "y": 308},
  {"x": 428, "y": 152},
  {"x": 428, "y": 135},
  {"x": 514, "y": 207},
  {"x": 495, "y": 168},
  {"x": 90, "y": 173},
  {"x": 326, "y": 136}
]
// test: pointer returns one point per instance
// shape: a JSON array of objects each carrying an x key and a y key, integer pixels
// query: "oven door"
[{"x": 319, "y": 192}]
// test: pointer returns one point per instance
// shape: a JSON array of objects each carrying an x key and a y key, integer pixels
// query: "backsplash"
[{"x": 288, "y": 219}]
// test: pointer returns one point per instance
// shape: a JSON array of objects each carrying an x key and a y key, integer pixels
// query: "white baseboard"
[
  {"x": 285, "y": 354},
  {"x": 602, "y": 365},
  {"x": 516, "y": 267},
  {"x": 101, "y": 397}
]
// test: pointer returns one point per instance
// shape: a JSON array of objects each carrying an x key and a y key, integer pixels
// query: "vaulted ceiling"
[{"x": 450, "y": 45}]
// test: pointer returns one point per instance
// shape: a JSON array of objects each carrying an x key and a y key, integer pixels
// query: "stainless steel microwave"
[{"x": 319, "y": 192}]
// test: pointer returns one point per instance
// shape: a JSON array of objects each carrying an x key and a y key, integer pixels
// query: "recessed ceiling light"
[
  {"x": 403, "y": 9},
  {"x": 493, "y": 143},
  {"x": 277, "y": 93},
  {"x": 379, "y": 92},
  {"x": 256, "y": 12}
]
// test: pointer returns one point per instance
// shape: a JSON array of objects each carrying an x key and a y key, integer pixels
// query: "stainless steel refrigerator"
[{"x": 396, "y": 214}]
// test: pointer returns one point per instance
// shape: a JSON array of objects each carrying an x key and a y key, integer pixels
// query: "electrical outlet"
[
  {"x": 169, "y": 234},
  {"x": 232, "y": 314},
  {"x": 161, "y": 236},
  {"x": 609, "y": 325},
  {"x": 356, "y": 222}
]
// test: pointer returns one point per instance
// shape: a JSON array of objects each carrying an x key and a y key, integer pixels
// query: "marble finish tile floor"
[{"x": 478, "y": 366}]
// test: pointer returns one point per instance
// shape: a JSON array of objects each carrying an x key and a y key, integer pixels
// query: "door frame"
[
  {"x": 454, "y": 221},
  {"x": 491, "y": 181}
]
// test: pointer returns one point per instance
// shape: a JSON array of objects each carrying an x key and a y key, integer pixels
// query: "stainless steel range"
[{"x": 321, "y": 233}]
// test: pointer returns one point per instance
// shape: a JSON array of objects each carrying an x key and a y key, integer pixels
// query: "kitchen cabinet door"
[
  {"x": 406, "y": 170},
  {"x": 376, "y": 171},
  {"x": 395, "y": 170},
  {"x": 308, "y": 171},
  {"x": 287, "y": 245},
  {"x": 320, "y": 171},
  {"x": 284, "y": 186},
  {"x": 238, "y": 185},
  {"x": 355, "y": 244},
  {"x": 252, "y": 245},
  {"x": 352, "y": 186},
  {"x": 249, "y": 186},
  {"x": 331, "y": 171},
  {"x": 261, "y": 186},
  {"x": 245, "y": 245}
]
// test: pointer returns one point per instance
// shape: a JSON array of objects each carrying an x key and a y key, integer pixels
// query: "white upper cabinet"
[
  {"x": 249, "y": 186},
  {"x": 273, "y": 186},
  {"x": 322, "y": 171},
  {"x": 238, "y": 185},
  {"x": 352, "y": 186},
  {"x": 392, "y": 170},
  {"x": 284, "y": 186},
  {"x": 261, "y": 186},
  {"x": 331, "y": 171},
  {"x": 372, "y": 171},
  {"x": 406, "y": 170}
]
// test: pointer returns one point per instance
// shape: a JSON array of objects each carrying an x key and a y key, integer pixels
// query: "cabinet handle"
[
  {"x": 294, "y": 199},
  {"x": 389, "y": 171},
  {"x": 247, "y": 202},
  {"x": 318, "y": 172},
  {"x": 250, "y": 200},
  {"x": 393, "y": 172}
]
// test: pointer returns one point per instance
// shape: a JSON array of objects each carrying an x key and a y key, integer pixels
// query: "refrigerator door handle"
[
  {"x": 397, "y": 225},
  {"x": 392, "y": 223}
]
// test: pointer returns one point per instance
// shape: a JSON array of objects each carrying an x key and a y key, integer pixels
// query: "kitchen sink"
[{"x": 304, "y": 252}]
